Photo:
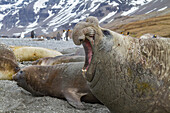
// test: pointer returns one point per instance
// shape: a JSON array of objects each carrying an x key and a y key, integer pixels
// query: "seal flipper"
[{"x": 73, "y": 98}]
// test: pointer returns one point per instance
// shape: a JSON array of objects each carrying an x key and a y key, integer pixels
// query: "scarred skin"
[
  {"x": 62, "y": 81},
  {"x": 128, "y": 75}
]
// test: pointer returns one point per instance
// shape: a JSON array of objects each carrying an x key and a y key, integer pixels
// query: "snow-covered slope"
[{"x": 45, "y": 16}]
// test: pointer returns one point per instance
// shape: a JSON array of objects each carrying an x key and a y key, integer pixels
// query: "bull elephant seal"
[
  {"x": 128, "y": 75},
  {"x": 58, "y": 60},
  {"x": 7, "y": 68},
  {"x": 61, "y": 81},
  {"x": 24, "y": 53}
]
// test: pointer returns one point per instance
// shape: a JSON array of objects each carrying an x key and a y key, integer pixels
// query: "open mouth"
[{"x": 87, "y": 44}]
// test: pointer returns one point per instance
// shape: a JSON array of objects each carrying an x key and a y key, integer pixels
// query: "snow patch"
[
  {"x": 1, "y": 25},
  {"x": 20, "y": 26},
  {"x": 44, "y": 31},
  {"x": 56, "y": 6},
  {"x": 108, "y": 16},
  {"x": 50, "y": 15},
  {"x": 64, "y": 14},
  {"x": 142, "y": 9},
  {"x": 155, "y": 1},
  {"x": 151, "y": 11},
  {"x": 92, "y": 10},
  {"x": 140, "y": 2},
  {"x": 133, "y": 9},
  {"x": 113, "y": 3},
  {"x": 9, "y": 6},
  {"x": 163, "y": 8},
  {"x": 38, "y": 5},
  {"x": 1, "y": 17},
  {"x": 34, "y": 23}
]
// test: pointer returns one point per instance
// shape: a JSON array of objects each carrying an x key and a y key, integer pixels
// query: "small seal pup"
[
  {"x": 58, "y": 60},
  {"x": 25, "y": 53},
  {"x": 128, "y": 75},
  {"x": 7, "y": 68},
  {"x": 62, "y": 81}
]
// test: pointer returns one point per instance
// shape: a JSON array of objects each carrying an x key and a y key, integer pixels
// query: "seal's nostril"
[{"x": 81, "y": 40}]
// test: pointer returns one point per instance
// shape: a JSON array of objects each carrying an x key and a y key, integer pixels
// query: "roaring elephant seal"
[
  {"x": 59, "y": 59},
  {"x": 6, "y": 51},
  {"x": 128, "y": 75},
  {"x": 62, "y": 81},
  {"x": 7, "y": 68},
  {"x": 25, "y": 53}
]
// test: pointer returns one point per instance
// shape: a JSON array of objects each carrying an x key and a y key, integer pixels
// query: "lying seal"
[
  {"x": 61, "y": 81},
  {"x": 6, "y": 51},
  {"x": 33, "y": 53},
  {"x": 7, "y": 68},
  {"x": 58, "y": 60},
  {"x": 126, "y": 74}
]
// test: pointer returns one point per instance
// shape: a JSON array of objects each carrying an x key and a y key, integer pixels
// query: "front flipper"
[{"x": 73, "y": 97}]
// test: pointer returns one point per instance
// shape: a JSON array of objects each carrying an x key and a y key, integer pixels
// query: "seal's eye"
[
  {"x": 17, "y": 68},
  {"x": 21, "y": 72}
]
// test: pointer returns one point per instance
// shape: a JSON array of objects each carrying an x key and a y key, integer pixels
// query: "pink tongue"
[{"x": 88, "y": 45}]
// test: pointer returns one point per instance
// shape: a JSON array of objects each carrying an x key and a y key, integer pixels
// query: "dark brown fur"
[{"x": 61, "y": 81}]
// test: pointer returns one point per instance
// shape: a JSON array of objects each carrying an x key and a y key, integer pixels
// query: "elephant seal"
[
  {"x": 128, "y": 75},
  {"x": 6, "y": 51},
  {"x": 58, "y": 60},
  {"x": 7, "y": 68},
  {"x": 62, "y": 81},
  {"x": 24, "y": 53}
]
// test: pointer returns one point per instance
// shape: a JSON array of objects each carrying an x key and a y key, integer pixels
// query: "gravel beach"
[
  {"x": 51, "y": 44},
  {"x": 14, "y": 99}
]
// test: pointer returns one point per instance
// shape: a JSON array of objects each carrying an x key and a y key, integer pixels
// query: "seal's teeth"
[{"x": 84, "y": 70}]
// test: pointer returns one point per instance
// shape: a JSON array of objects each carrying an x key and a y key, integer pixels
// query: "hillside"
[
  {"x": 156, "y": 25},
  {"x": 20, "y": 17}
]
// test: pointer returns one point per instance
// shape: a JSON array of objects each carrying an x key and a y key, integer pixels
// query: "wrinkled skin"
[
  {"x": 128, "y": 75},
  {"x": 62, "y": 81}
]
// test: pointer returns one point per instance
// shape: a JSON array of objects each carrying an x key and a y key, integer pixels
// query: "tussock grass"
[{"x": 158, "y": 25}]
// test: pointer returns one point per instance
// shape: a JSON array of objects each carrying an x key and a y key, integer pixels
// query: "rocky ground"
[{"x": 16, "y": 99}]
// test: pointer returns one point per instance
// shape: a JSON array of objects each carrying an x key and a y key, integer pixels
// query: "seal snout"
[
  {"x": 17, "y": 69},
  {"x": 17, "y": 76}
]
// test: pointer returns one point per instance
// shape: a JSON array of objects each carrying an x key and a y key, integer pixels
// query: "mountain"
[{"x": 46, "y": 16}]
